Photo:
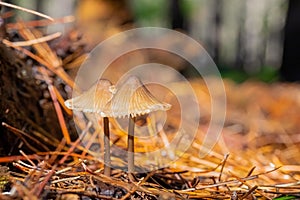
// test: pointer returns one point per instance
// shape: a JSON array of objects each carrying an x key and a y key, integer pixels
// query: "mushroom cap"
[
  {"x": 94, "y": 99},
  {"x": 133, "y": 99}
]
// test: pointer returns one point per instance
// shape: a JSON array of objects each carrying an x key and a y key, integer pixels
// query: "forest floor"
[{"x": 257, "y": 156}]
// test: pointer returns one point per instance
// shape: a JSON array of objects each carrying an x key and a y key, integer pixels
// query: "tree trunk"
[
  {"x": 20, "y": 105},
  {"x": 290, "y": 68},
  {"x": 178, "y": 21}
]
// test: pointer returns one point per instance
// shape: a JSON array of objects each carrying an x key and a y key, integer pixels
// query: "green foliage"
[
  {"x": 235, "y": 75},
  {"x": 156, "y": 13},
  {"x": 289, "y": 197},
  {"x": 266, "y": 74},
  {"x": 150, "y": 13},
  {"x": 187, "y": 7}
]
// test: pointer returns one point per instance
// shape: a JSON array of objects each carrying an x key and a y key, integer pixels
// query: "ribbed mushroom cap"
[
  {"x": 94, "y": 99},
  {"x": 133, "y": 99}
]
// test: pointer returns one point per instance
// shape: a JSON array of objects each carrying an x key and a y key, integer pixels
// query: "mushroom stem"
[
  {"x": 107, "y": 162},
  {"x": 130, "y": 144}
]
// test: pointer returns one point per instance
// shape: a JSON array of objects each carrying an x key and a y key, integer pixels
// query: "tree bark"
[
  {"x": 290, "y": 68},
  {"x": 20, "y": 105}
]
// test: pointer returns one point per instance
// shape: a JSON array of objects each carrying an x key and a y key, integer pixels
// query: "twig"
[
  {"x": 65, "y": 179},
  {"x": 90, "y": 142},
  {"x": 249, "y": 192},
  {"x": 46, "y": 139},
  {"x": 28, "y": 159},
  {"x": 42, "y": 185},
  {"x": 254, "y": 188},
  {"x": 8, "y": 14},
  {"x": 14, "y": 158},
  {"x": 58, "y": 149},
  {"x": 59, "y": 113},
  {"x": 19, "y": 132},
  {"x": 222, "y": 166},
  {"x": 137, "y": 186},
  {"x": 35, "y": 23},
  {"x": 71, "y": 149},
  {"x": 36, "y": 41},
  {"x": 249, "y": 173},
  {"x": 61, "y": 101},
  {"x": 26, "y": 10},
  {"x": 221, "y": 183},
  {"x": 284, "y": 185},
  {"x": 75, "y": 62}
]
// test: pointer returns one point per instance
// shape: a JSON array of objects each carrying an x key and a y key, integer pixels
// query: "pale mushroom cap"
[
  {"x": 133, "y": 99},
  {"x": 94, "y": 99}
]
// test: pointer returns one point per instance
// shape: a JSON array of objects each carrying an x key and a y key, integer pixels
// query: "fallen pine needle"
[
  {"x": 26, "y": 10},
  {"x": 36, "y": 41},
  {"x": 43, "y": 22}
]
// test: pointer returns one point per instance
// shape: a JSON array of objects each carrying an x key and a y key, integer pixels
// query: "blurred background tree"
[
  {"x": 290, "y": 68},
  {"x": 245, "y": 38}
]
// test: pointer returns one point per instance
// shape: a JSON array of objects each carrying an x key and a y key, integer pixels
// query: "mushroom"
[
  {"x": 94, "y": 100},
  {"x": 131, "y": 100}
]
